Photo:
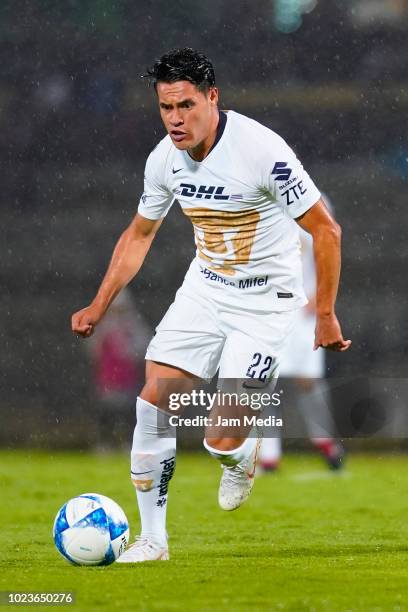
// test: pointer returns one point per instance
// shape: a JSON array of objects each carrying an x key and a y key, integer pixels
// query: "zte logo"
[
  {"x": 282, "y": 172},
  {"x": 294, "y": 193},
  {"x": 208, "y": 193}
]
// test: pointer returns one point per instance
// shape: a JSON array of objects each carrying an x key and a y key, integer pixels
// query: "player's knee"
[
  {"x": 149, "y": 392},
  {"x": 152, "y": 389}
]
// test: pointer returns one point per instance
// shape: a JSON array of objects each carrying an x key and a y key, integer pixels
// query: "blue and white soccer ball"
[{"x": 91, "y": 529}]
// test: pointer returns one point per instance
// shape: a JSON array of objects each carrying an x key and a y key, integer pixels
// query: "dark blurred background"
[{"x": 77, "y": 123}]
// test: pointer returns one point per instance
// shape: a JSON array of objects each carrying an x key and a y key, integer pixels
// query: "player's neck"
[{"x": 201, "y": 151}]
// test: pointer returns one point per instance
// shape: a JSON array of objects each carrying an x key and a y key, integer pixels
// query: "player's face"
[{"x": 187, "y": 113}]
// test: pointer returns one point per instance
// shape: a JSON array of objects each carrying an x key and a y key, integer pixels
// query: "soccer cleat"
[
  {"x": 332, "y": 451},
  {"x": 335, "y": 459},
  {"x": 144, "y": 549},
  {"x": 267, "y": 466},
  {"x": 237, "y": 481}
]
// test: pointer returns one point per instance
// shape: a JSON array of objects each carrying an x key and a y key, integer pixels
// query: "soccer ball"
[{"x": 91, "y": 529}]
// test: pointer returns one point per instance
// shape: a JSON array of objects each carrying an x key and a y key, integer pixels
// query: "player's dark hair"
[{"x": 183, "y": 65}]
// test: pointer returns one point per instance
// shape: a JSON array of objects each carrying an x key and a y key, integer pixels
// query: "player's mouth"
[{"x": 178, "y": 135}]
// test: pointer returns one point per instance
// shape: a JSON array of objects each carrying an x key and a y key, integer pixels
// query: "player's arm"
[
  {"x": 127, "y": 259},
  {"x": 326, "y": 234}
]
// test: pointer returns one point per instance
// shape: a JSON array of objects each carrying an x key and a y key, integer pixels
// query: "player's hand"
[
  {"x": 84, "y": 321},
  {"x": 328, "y": 334}
]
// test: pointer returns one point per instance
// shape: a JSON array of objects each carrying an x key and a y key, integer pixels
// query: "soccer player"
[
  {"x": 307, "y": 368},
  {"x": 243, "y": 189}
]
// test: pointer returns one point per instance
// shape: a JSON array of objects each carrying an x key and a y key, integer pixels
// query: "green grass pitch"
[{"x": 305, "y": 540}]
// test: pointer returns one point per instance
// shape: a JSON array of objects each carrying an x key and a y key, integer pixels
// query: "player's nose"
[{"x": 176, "y": 119}]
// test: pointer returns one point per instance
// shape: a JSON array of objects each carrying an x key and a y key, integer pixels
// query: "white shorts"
[
  {"x": 201, "y": 335},
  {"x": 298, "y": 357}
]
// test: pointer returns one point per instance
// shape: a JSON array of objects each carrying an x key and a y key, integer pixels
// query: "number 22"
[{"x": 256, "y": 364}]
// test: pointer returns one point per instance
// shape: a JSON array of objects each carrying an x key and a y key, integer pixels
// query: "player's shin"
[
  {"x": 314, "y": 404},
  {"x": 153, "y": 461}
]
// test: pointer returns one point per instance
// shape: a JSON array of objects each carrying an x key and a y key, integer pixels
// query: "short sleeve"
[
  {"x": 156, "y": 198},
  {"x": 288, "y": 181}
]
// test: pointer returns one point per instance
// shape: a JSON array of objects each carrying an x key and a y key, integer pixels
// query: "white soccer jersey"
[{"x": 242, "y": 199}]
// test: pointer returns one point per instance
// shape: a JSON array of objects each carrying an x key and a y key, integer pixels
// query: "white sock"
[
  {"x": 271, "y": 449},
  {"x": 153, "y": 460},
  {"x": 235, "y": 456},
  {"x": 314, "y": 406}
]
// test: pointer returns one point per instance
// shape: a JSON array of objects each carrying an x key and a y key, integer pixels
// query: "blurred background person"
[
  {"x": 306, "y": 368},
  {"x": 117, "y": 359}
]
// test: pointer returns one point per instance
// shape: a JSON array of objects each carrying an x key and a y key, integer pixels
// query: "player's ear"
[{"x": 213, "y": 95}]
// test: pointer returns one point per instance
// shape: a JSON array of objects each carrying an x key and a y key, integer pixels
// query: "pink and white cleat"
[{"x": 237, "y": 481}]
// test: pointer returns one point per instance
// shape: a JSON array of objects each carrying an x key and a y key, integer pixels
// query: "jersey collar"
[{"x": 222, "y": 122}]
